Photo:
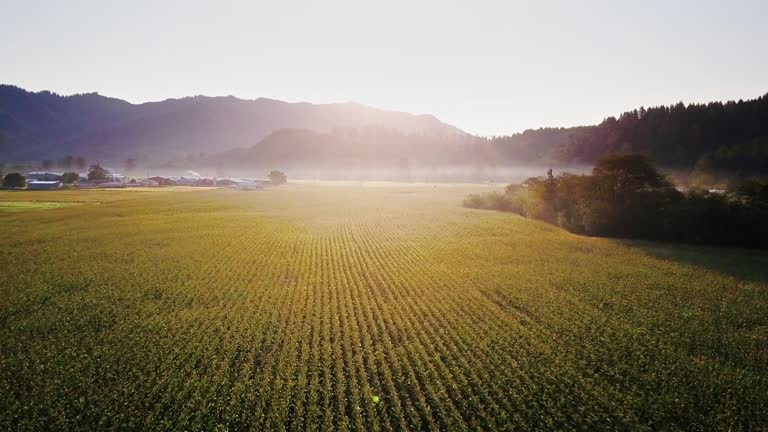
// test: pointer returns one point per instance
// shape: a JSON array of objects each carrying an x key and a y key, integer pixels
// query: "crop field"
[
  {"x": 364, "y": 307},
  {"x": 29, "y": 205}
]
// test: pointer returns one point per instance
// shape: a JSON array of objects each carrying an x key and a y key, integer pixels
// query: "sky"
[{"x": 488, "y": 67}]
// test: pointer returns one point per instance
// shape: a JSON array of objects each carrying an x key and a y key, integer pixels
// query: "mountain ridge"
[{"x": 36, "y": 125}]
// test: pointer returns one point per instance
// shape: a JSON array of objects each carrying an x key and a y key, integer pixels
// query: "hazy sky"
[{"x": 489, "y": 67}]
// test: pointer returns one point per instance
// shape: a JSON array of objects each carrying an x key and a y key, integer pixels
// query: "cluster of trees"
[
  {"x": 95, "y": 172},
  {"x": 729, "y": 162},
  {"x": 717, "y": 139},
  {"x": 627, "y": 197},
  {"x": 14, "y": 180},
  {"x": 18, "y": 180},
  {"x": 70, "y": 177},
  {"x": 278, "y": 177},
  {"x": 677, "y": 135}
]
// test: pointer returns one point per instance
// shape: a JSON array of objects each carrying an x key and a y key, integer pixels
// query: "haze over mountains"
[
  {"x": 227, "y": 133},
  {"x": 46, "y": 125}
]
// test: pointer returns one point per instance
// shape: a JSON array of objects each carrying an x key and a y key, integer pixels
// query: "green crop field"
[{"x": 354, "y": 307}]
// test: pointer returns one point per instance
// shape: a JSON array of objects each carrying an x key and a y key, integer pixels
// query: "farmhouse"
[
  {"x": 44, "y": 185},
  {"x": 184, "y": 181},
  {"x": 247, "y": 186},
  {"x": 246, "y": 182},
  {"x": 225, "y": 182},
  {"x": 148, "y": 182},
  {"x": 44, "y": 176},
  {"x": 161, "y": 181}
]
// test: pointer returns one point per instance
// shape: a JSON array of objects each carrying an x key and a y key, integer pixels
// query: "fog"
[{"x": 419, "y": 174}]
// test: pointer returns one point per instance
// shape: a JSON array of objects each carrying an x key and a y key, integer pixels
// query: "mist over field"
[
  {"x": 704, "y": 145},
  {"x": 415, "y": 174}
]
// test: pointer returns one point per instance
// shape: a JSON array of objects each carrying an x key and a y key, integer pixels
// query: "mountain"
[
  {"x": 368, "y": 147},
  {"x": 44, "y": 125},
  {"x": 711, "y": 140}
]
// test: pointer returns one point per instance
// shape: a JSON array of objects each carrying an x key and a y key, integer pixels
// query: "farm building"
[
  {"x": 243, "y": 184},
  {"x": 44, "y": 176},
  {"x": 44, "y": 185},
  {"x": 161, "y": 181},
  {"x": 225, "y": 182},
  {"x": 246, "y": 182},
  {"x": 247, "y": 186},
  {"x": 184, "y": 181}
]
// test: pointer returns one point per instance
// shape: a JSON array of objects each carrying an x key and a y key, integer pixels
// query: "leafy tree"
[
  {"x": 278, "y": 177},
  {"x": 70, "y": 177},
  {"x": 629, "y": 171},
  {"x": 96, "y": 172},
  {"x": 14, "y": 180},
  {"x": 627, "y": 197}
]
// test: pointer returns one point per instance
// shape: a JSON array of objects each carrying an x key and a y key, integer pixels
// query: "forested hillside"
[{"x": 731, "y": 136}]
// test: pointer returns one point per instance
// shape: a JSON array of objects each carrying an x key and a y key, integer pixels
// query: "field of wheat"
[{"x": 363, "y": 307}]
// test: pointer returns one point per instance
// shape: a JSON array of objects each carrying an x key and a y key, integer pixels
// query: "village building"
[
  {"x": 44, "y": 176},
  {"x": 44, "y": 185}
]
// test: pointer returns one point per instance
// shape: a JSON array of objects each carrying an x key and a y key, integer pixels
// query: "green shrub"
[
  {"x": 70, "y": 177},
  {"x": 14, "y": 180}
]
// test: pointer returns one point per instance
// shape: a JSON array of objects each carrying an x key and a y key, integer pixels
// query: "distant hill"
[
  {"x": 730, "y": 136},
  {"x": 711, "y": 140},
  {"x": 372, "y": 146},
  {"x": 44, "y": 125}
]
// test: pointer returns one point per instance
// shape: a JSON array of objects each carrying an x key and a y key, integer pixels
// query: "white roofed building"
[
  {"x": 44, "y": 176},
  {"x": 44, "y": 185}
]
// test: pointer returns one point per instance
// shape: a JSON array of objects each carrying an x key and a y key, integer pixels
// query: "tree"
[
  {"x": 633, "y": 171},
  {"x": 47, "y": 165},
  {"x": 627, "y": 198},
  {"x": 96, "y": 172},
  {"x": 278, "y": 178},
  {"x": 14, "y": 180},
  {"x": 70, "y": 177}
]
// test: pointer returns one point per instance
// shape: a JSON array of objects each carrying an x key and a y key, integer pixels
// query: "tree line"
[
  {"x": 625, "y": 196},
  {"x": 716, "y": 139},
  {"x": 15, "y": 180}
]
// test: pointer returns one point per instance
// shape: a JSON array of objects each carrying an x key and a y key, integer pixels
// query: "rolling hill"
[{"x": 42, "y": 125}]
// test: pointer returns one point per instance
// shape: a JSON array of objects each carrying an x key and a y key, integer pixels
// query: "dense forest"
[{"x": 711, "y": 139}]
